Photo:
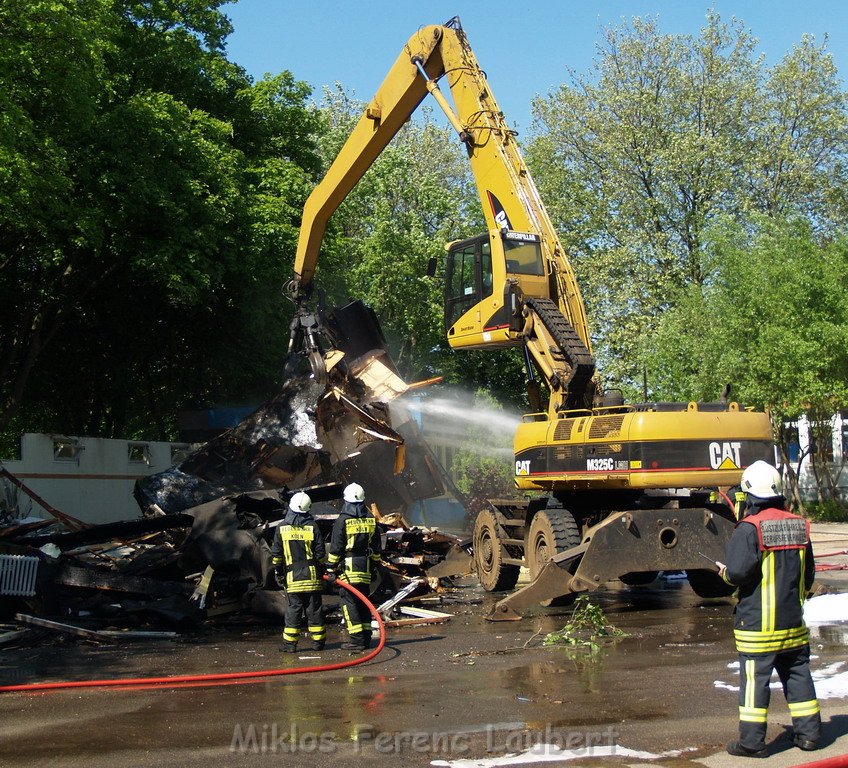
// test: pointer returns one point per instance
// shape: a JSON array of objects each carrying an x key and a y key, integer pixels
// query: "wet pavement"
[{"x": 462, "y": 690}]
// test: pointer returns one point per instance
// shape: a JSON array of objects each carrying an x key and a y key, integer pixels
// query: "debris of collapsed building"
[
  {"x": 200, "y": 552},
  {"x": 174, "y": 572}
]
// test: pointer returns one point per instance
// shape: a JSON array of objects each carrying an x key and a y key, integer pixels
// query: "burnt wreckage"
[{"x": 201, "y": 548}]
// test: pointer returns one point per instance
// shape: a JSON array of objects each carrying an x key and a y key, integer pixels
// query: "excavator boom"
[{"x": 518, "y": 260}]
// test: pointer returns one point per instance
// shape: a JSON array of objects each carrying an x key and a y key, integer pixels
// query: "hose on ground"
[{"x": 221, "y": 676}]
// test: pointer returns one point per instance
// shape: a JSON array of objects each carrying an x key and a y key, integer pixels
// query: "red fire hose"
[
  {"x": 840, "y": 761},
  {"x": 828, "y": 566},
  {"x": 223, "y": 676}
]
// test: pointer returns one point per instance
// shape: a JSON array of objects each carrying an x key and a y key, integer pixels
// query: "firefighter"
[
  {"x": 298, "y": 556},
  {"x": 354, "y": 552},
  {"x": 770, "y": 560}
]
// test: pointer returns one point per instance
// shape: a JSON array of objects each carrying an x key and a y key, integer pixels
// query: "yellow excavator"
[{"x": 622, "y": 491}]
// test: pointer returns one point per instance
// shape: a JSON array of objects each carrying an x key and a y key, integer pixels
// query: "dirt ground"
[{"x": 466, "y": 693}]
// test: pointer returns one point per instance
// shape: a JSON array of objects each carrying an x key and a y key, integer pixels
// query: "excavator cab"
[{"x": 485, "y": 276}]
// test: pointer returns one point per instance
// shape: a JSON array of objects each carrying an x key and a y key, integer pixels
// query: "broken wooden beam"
[
  {"x": 123, "y": 530},
  {"x": 93, "y": 578},
  {"x": 57, "y": 626}
]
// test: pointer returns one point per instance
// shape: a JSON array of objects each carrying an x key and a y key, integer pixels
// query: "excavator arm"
[{"x": 512, "y": 286}]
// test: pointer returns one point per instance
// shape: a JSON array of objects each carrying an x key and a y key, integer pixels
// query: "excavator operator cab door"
[
  {"x": 468, "y": 277},
  {"x": 470, "y": 296},
  {"x": 482, "y": 276}
]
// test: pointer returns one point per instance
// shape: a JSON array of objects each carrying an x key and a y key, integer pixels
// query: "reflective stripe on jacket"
[
  {"x": 770, "y": 559},
  {"x": 355, "y": 539},
  {"x": 299, "y": 548}
]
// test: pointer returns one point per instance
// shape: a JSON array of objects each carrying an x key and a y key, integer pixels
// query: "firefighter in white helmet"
[
  {"x": 353, "y": 552},
  {"x": 770, "y": 559},
  {"x": 298, "y": 555}
]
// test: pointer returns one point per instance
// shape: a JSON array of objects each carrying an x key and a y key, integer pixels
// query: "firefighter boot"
[
  {"x": 735, "y": 748},
  {"x": 355, "y": 643},
  {"x": 289, "y": 647},
  {"x": 808, "y": 745},
  {"x": 316, "y": 645}
]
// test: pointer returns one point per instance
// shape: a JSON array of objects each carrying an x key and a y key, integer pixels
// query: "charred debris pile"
[{"x": 199, "y": 554}]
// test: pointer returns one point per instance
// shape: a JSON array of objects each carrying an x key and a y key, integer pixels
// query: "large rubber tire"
[
  {"x": 493, "y": 573},
  {"x": 552, "y": 531},
  {"x": 707, "y": 583}
]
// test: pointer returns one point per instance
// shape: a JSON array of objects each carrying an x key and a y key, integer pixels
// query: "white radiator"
[{"x": 17, "y": 575}]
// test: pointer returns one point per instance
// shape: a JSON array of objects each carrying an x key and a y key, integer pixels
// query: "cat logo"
[
  {"x": 725, "y": 455},
  {"x": 498, "y": 212},
  {"x": 522, "y": 467}
]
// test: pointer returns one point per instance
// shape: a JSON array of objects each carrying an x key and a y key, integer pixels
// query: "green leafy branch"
[{"x": 588, "y": 628}]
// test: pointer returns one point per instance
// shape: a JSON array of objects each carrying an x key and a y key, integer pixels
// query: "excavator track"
[{"x": 572, "y": 350}]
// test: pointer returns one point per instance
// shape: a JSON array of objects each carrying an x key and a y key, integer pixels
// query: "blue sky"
[{"x": 525, "y": 47}]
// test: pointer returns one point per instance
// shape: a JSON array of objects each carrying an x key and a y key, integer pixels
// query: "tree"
[
  {"x": 772, "y": 319},
  {"x": 668, "y": 134},
  {"x": 797, "y": 165},
  {"x": 149, "y": 210}
]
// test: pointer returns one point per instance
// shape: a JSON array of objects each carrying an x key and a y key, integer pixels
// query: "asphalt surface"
[{"x": 451, "y": 694}]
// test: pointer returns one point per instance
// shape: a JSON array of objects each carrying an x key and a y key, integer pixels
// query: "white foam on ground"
[
  {"x": 830, "y": 682},
  {"x": 725, "y": 686},
  {"x": 547, "y": 753},
  {"x": 826, "y": 609}
]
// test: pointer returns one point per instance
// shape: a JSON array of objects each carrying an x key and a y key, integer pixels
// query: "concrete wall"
[{"x": 86, "y": 477}]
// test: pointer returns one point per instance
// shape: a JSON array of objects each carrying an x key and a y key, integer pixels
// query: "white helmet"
[
  {"x": 354, "y": 492},
  {"x": 762, "y": 480},
  {"x": 300, "y": 503}
]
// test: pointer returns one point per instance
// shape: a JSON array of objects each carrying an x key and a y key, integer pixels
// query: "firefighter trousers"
[
  {"x": 308, "y": 605},
  {"x": 793, "y": 669},
  {"x": 356, "y": 614}
]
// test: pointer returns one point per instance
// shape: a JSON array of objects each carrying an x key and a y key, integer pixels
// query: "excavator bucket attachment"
[
  {"x": 554, "y": 580},
  {"x": 624, "y": 544}
]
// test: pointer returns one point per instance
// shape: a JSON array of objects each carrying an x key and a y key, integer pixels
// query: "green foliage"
[
  {"x": 772, "y": 319},
  {"x": 588, "y": 628},
  {"x": 150, "y": 198},
  {"x": 666, "y": 136},
  {"x": 832, "y": 511}
]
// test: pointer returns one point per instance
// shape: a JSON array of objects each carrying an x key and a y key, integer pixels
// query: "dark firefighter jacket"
[
  {"x": 770, "y": 558},
  {"x": 299, "y": 549},
  {"x": 356, "y": 539}
]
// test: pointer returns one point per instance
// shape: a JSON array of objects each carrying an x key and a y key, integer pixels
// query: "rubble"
[
  {"x": 178, "y": 571},
  {"x": 200, "y": 552}
]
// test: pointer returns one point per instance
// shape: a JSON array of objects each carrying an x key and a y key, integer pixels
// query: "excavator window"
[
  {"x": 523, "y": 254},
  {"x": 468, "y": 277},
  {"x": 486, "y": 277}
]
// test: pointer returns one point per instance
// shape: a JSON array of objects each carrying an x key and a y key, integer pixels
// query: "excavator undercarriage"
[{"x": 566, "y": 556}]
